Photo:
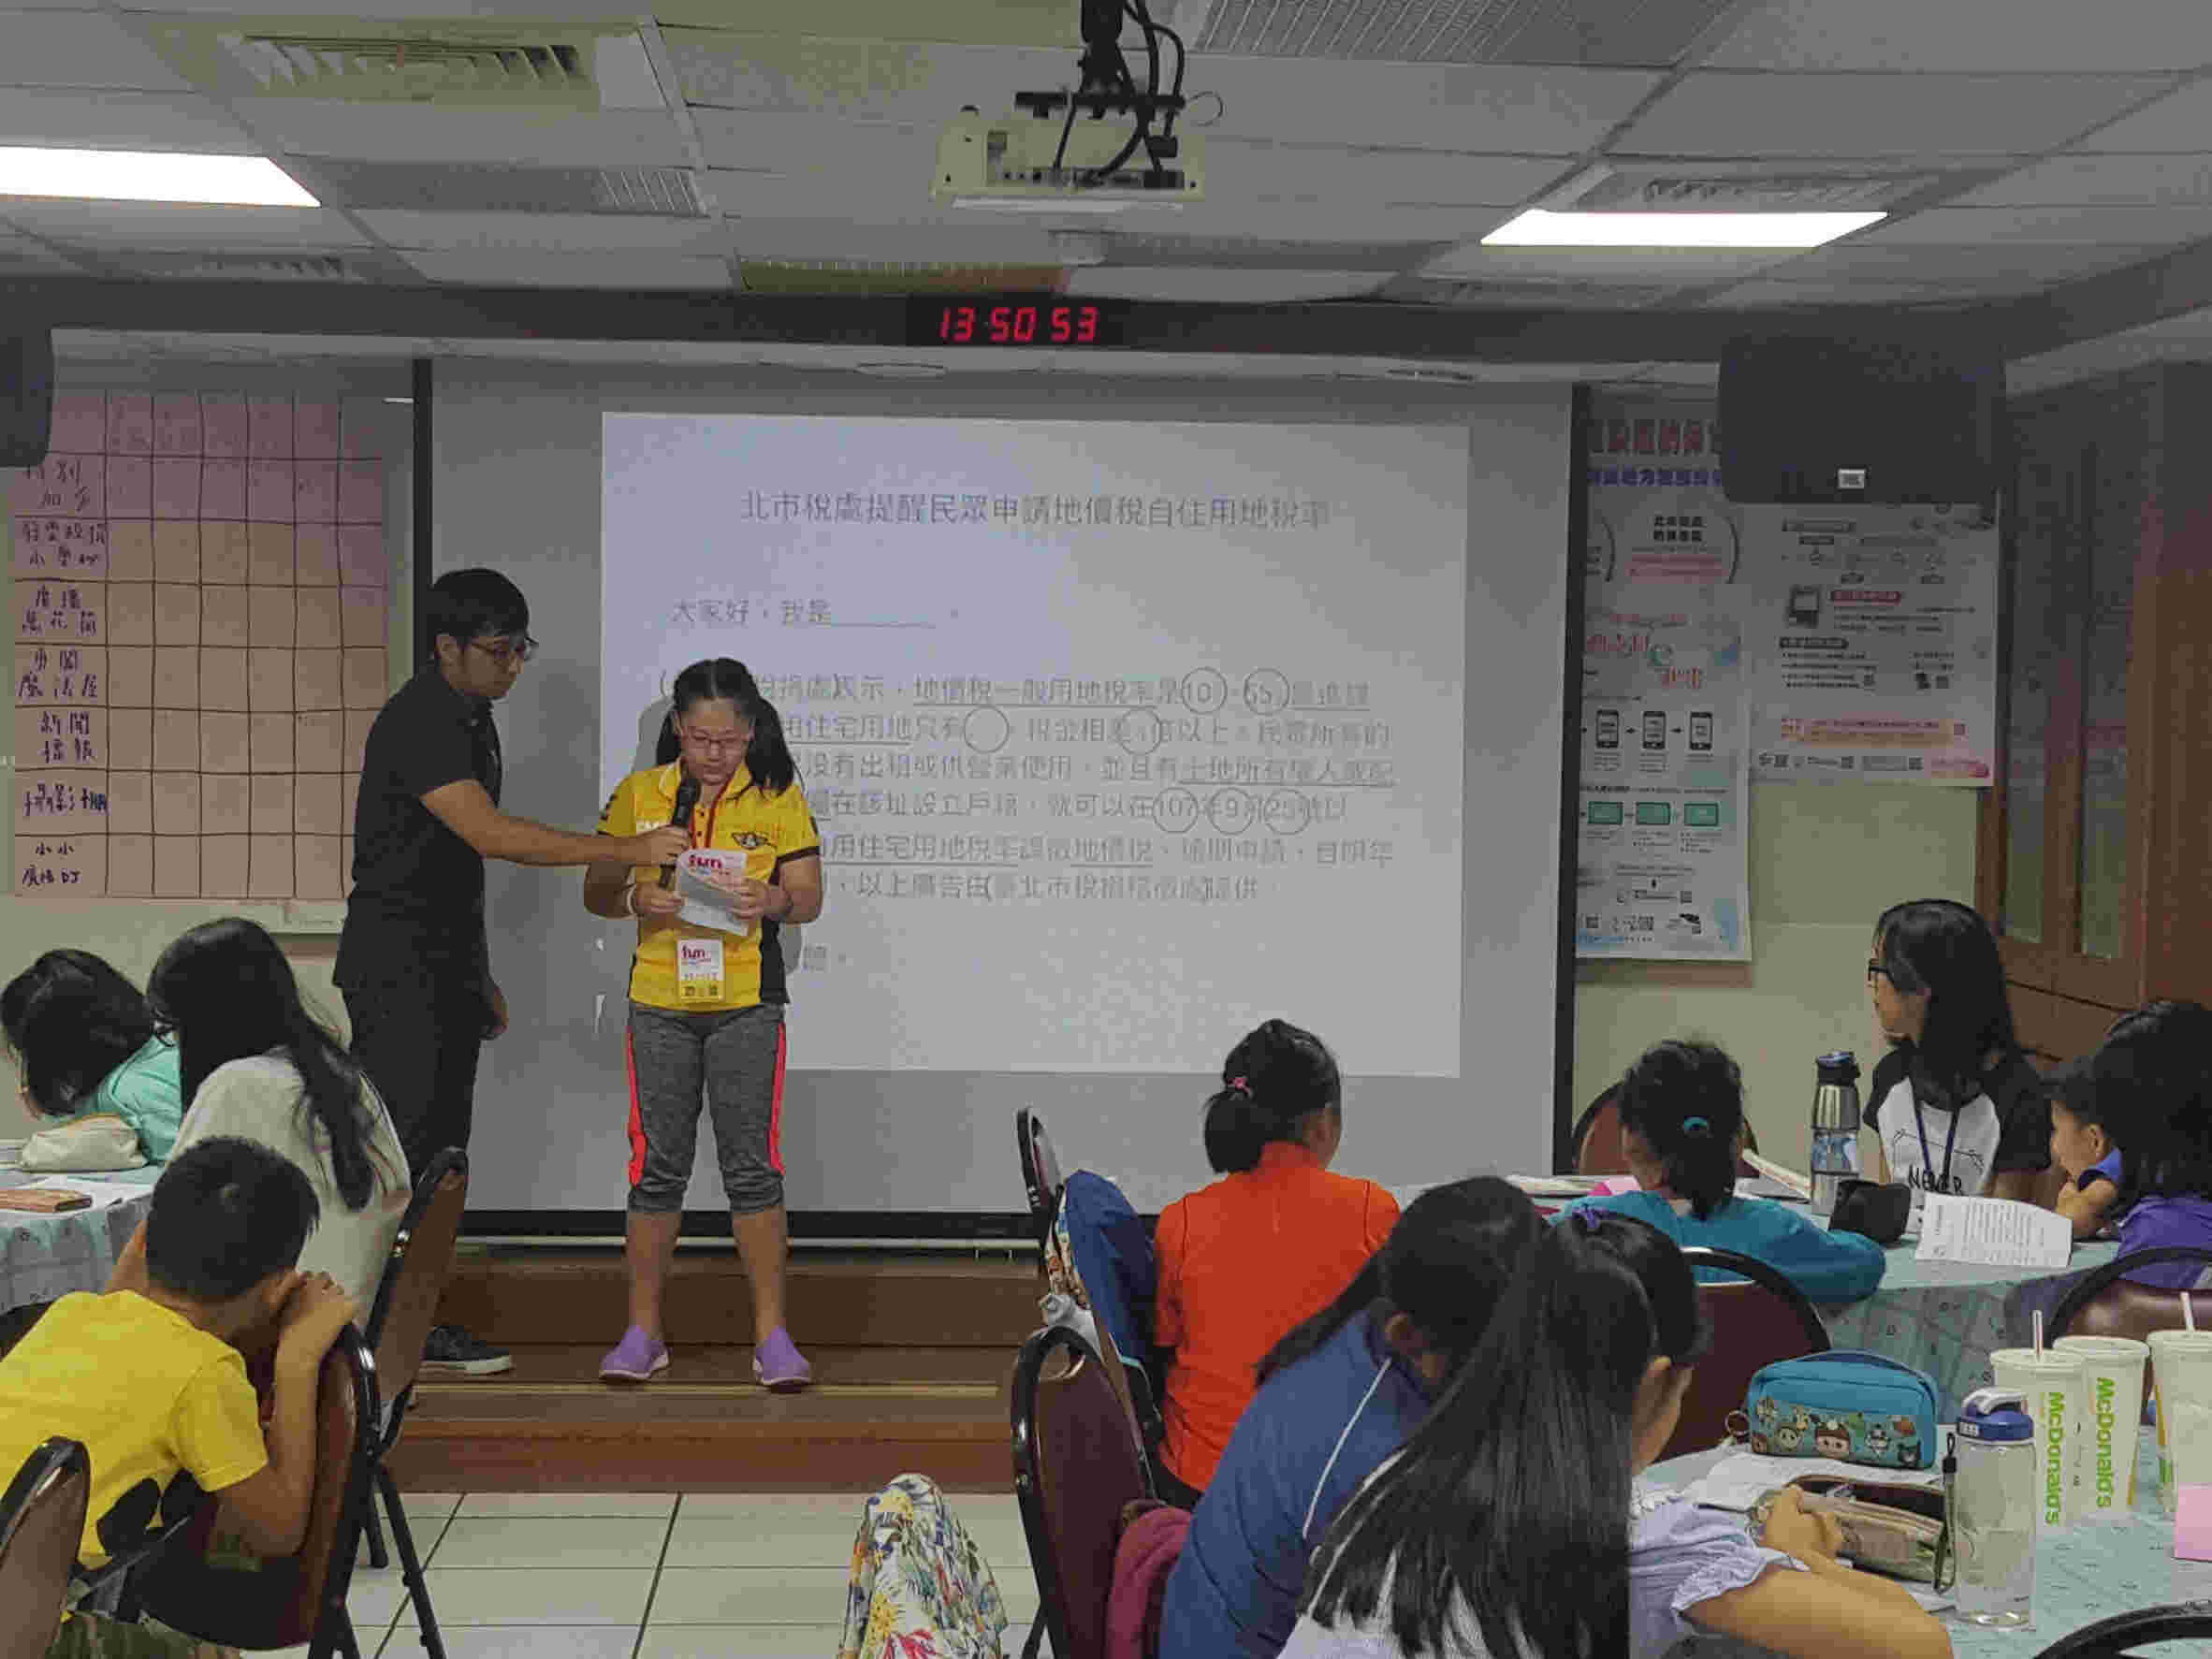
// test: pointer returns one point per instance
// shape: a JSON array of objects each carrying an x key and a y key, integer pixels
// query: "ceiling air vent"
[
  {"x": 858, "y": 276},
  {"x": 515, "y": 66},
  {"x": 253, "y": 267},
  {"x": 665, "y": 192},
  {"x": 1724, "y": 187}
]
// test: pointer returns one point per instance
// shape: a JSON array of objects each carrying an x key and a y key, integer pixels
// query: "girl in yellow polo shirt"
[{"x": 706, "y": 1003}]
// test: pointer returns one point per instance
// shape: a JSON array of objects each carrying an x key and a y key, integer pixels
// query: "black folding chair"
[
  {"x": 1756, "y": 1320},
  {"x": 2123, "y": 1633},
  {"x": 398, "y": 1325},
  {"x": 41, "y": 1523}
]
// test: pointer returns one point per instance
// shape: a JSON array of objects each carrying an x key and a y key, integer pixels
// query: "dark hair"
[
  {"x": 1946, "y": 948},
  {"x": 1272, "y": 1082},
  {"x": 1440, "y": 1267},
  {"x": 1509, "y": 1507},
  {"x": 70, "y": 1020},
  {"x": 466, "y": 604},
  {"x": 1685, "y": 1099},
  {"x": 229, "y": 993},
  {"x": 768, "y": 763},
  {"x": 227, "y": 1213},
  {"x": 2150, "y": 1087}
]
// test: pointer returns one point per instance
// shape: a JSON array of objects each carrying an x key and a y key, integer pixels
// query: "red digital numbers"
[{"x": 1018, "y": 324}]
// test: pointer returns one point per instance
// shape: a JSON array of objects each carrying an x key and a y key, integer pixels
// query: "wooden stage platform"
[{"x": 912, "y": 1353}]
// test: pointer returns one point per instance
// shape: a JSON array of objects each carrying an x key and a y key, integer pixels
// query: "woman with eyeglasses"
[
  {"x": 1953, "y": 1104},
  {"x": 414, "y": 961},
  {"x": 708, "y": 993}
]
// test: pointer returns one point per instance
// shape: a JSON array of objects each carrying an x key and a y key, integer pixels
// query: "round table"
[
  {"x": 44, "y": 1258},
  {"x": 2086, "y": 1572}
]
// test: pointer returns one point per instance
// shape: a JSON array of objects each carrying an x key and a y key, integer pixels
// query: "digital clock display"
[{"x": 1013, "y": 321}]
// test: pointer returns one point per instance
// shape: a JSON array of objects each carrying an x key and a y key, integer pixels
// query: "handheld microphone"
[{"x": 687, "y": 800}]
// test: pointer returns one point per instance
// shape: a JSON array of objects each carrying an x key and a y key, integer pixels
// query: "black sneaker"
[{"x": 453, "y": 1352}]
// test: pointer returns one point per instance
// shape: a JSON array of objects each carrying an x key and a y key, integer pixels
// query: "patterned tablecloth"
[
  {"x": 43, "y": 1257},
  {"x": 1944, "y": 1318},
  {"x": 2089, "y": 1571}
]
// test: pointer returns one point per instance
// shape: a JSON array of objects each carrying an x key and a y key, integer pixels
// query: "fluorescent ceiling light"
[
  {"x": 132, "y": 175},
  {"x": 1537, "y": 229},
  {"x": 1048, "y": 205}
]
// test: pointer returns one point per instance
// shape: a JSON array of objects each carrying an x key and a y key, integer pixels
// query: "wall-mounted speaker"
[
  {"x": 1845, "y": 422},
  {"x": 26, "y": 398}
]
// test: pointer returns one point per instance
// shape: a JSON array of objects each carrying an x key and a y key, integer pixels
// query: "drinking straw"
[
  {"x": 2189, "y": 1312},
  {"x": 2039, "y": 1333}
]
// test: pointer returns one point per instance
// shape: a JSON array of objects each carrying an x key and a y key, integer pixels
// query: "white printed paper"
[
  {"x": 1992, "y": 1233},
  {"x": 1872, "y": 637},
  {"x": 705, "y": 905}
]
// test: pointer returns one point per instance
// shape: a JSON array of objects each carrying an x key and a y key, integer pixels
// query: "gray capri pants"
[{"x": 734, "y": 1057}]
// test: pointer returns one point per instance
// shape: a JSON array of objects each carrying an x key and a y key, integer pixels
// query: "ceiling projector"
[{"x": 1032, "y": 162}]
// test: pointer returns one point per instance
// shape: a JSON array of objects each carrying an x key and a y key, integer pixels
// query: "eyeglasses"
[
  {"x": 733, "y": 744},
  {"x": 504, "y": 651},
  {"x": 1875, "y": 969}
]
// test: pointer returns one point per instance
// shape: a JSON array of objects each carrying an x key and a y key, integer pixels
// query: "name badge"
[{"x": 698, "y": 970}]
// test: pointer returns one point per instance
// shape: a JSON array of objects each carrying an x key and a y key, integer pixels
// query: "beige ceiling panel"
[
  {"x": 784, "y": 141},
  {"x": 2099, "y": 180},
  {"x": 1923, "y": 116},
  {"x": 1915, "y": 34},
  {"x": 954, "y": 22},
  {"x": 918, "y": 240},
  {"x": 120, "y": 120},
  {"x": 546, "y": 233},
  {"x": 2140, "y": 224},
  {"x": 499, "y": 268},
  {"x": 857, "y": 79},
  {"x": 2179, "y": 122},
  {"x": 398, "y": 132},
  {"x": 1391, "y": 177},
  {"x": 167, "y": 224},
  {"x": 79, "y": 49}
]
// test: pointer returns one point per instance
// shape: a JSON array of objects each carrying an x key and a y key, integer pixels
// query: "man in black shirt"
[{"x": 414, "y": 963}]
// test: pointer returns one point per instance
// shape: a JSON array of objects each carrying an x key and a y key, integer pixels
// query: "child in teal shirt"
[
  {"x": 1682, "y": 1120},
  {"x": 83, "y": 1043}
]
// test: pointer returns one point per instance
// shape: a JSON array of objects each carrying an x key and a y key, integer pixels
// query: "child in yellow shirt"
[{"x": 148, "y": 1380}]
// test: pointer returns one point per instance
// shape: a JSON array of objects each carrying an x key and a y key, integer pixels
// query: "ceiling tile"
[
  {"x": 79, "y": 49},
  {"x": 2179, "y": 122},
  {"x": 2142, "y": 225},
  {"x": 501, "y": 268},
  {"x": 1924, "y": 116},
  {"x": 120, "y": 120},
  {"x": 1677, "y": 266},
  {"x": 1425, "y": 106},
  {"x": 2113, "y": 34},
  {"x": 166, "y": 224},
  {"x": 2112, "y": 181},
  {"x": 1240, "y": 166},
  {"x": 1222, "y": 284},
  {"x": 923, "y": 238},
  {"x": 2006, "y": 267},
  {"x": 548, "y": 233},
  {"x": 372, "y": 132},
  {"x": 788, "y": 141}
]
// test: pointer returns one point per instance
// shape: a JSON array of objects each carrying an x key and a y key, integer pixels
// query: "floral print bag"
[{"x": 920, "y": 1588}]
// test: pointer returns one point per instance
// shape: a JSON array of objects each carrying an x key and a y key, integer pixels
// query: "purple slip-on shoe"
[{"x": 777, "y": 1363}]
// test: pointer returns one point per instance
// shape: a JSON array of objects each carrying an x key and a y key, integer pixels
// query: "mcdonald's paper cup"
[
  {"x": 2054, "y": 1384},
  {"x": 2112, "y": 1412},
  {"x": 2181, "y": 1376}
]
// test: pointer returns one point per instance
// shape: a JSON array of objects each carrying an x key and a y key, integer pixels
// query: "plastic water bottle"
[
  {"x": 1992, "y": 1506},
  {"x": 1835, "y": 1129}
]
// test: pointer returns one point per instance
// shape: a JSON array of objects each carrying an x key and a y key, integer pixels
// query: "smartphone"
[
  {"x": 1608, "y": 728},
  {"x": 1654, "y": 729},
  {"x": 1701, "y": 732}
]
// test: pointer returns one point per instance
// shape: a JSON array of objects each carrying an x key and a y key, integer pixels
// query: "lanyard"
[{"x": 1950, "y": 1140}]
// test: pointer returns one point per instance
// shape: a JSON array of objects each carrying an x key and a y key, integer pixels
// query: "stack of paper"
[{"x": 1993, "y": 1233}]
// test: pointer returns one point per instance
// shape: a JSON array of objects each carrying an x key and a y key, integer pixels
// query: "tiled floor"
[{"x": 649, "y": 1576}]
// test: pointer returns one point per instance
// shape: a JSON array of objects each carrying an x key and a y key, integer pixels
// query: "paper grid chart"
[{"x": 201, "y": 600}]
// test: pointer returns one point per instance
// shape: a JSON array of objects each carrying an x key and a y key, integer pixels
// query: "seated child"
[
  {"x": 148, "y": 1383},
  {"x": 83, "y": 1043},
  {"x": 2132, "y": 1125},
  {"x": 1682, "y": 1120}
]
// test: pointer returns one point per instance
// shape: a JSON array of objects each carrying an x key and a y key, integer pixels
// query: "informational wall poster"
[
  {"x": 1661, "y": 867},
  {"x": 1872, "y": 633}
]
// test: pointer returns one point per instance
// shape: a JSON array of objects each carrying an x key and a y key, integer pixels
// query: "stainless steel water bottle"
[{"x": 1835, "y": 1129}]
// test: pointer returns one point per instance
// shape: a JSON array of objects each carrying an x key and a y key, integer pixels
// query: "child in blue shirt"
[
  {"x": 1681, "y": 1121},
  {"x": 2132, "y": 1127}
]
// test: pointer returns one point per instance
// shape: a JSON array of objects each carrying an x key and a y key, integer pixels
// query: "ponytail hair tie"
[
  {"x": 1696, "y": 1126},
  {"x": 1590, "y": 1219},
  {"x": 1239, "y": 1085}
]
